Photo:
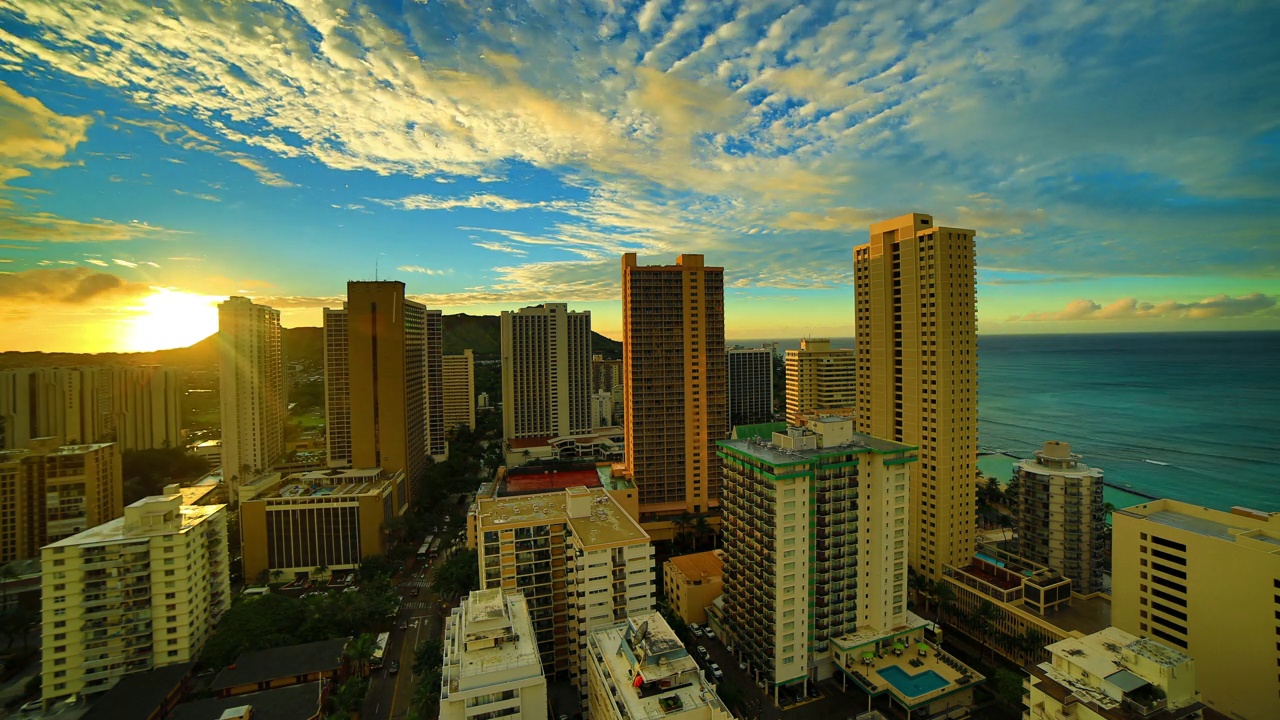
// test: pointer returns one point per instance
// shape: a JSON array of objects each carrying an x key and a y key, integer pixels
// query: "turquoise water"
[
  {"x": 913, "y": 685},
  {"x": 1206, "y": 405}
]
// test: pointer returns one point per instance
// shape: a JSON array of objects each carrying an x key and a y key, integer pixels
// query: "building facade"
[
  {"x": 638, "y": 669},
  {"x": 491, "y": 666},
  {"x": 605, "y": 374},
  {"x": 433, "y": 362},
  {"x": 1206, "y": 582},
  {"x": 692, "y": 582},
  {"x": 327, "y": 518},
  {"x": 546, "y": 372},
  {"x": 820, "y": 379},
  {"x": 675, "y": 387},
  {"x": 917, "y": 374},
  {"x": 139, "y": 592},
  {"x": 337, "y": 388},
  {"x": 458, "y": 390},
  {"x": 750, "y": 373},
  {"x": 252, "y": 389},
  {"x": 580, "y": 559},
  {"x": 51, "y": 491},
  {"x": 1061, "y": 522},
  {"x": 144, "y": 410}
]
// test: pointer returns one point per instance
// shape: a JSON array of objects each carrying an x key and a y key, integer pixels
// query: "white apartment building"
[
  {"x": 546, "y": 372},
  {"x": 139, "y": 592},
  {"x": 252, "y": 389},
  {"x": 459, "y": 390},
  {"x": 638, "y": 669},
  {"x": 491, "y": 666}
]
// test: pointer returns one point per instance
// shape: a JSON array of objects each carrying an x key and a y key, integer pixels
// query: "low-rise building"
[
  {"x": 491, "y": 664},
  {"x": 638, "y": 669},
  {"x": 325, "y": 518},
  {"x": 139, "y": 592},
  {"x": 295, "y": 702},
  {"x": 145, "y": 696},
  {"x": 324, "y": 660},
  {"x": 692, "y": 582},
  {"x": 1112, "y": 675}
]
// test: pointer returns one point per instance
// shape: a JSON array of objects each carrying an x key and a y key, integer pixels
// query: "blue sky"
[{"x": 1120, "y": 161}]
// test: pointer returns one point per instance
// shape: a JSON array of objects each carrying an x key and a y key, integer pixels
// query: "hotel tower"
[
  {"x": 251, "y": 378},
  {"x": 917, "y": 378}
]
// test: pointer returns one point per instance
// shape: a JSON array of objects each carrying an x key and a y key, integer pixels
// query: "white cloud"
[
  {"x": 486, "y": 201},
  {"x": 1218, "y": 306},
  {"x": 124, "y": 263},
  {"x": 422, "y": 270}
]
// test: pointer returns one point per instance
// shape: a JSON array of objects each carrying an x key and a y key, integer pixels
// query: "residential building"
[
  {"x": 142, "y": 409},
  {"x": 458, "y": 390},
  {"x": 820, "y": 380},
  {"x": 149, "y": 695},
  {"x": 602, "y": 409},
  {"x": 750, "y": 373},
  {"x": 1061, "y": 522},
  {"x": 209, "y": 450},
  {"x": 1206, "y": 582},
  {"x": 674, "y": 387},
  {"x": 816, "y": 526},
  {"x": 50, "y": 491},
  {"x": 135, "y": 593},
  {"x": 252, "y": 395},
  {"x": 307, "y": 701},
  {"x": 327, "y": 518},
  {"x": 580, "y": 558},
  {"x": 323, "y": 660},
  {"x": 605, "y": 374},
  {"x": 337, "y": 388},
  {"x": 546, "y": 372},
  {"x": 433, "y": 363},
  {"x": 917, "y": 373},
  {"x": 692, "y": 582},
  {"x": 1113, "y": 675},
  {"x": 491, "y": 665},
  {"x": 638, "y": 669}
]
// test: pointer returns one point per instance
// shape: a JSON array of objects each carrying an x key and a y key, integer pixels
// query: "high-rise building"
[
  {"x": 546, "y": 372},
  {"x": 605, "y": 374},
  {"x": 491, "y": 667},
  {"x": 337, "y": 389},
  {"x": 917, "y": 377},
  {"x": 433, "y": 397},
  {"x": 51, "y": 491},
  {"x": 820, "y": 379},
  {"x": 638, "y": 668},
  {"x": 252, "y": 396},
  {"x": 459, "y": 390},
  {"x": 750, "y": 373},
  {"x": 674, "y": 387},
  {"x": 325, "y": 518},
  {"x": 1113, "y": 675},
  {"x": 1206, "y": 582},
  {"x": 581, "y": 560},
  {"x": 145, "y": 407},
  {"x": 136, "y": 593},
  {"x": 1060, "y": 518}
]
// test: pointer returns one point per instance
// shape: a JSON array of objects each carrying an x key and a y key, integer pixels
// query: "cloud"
[
  {"x": 96, "y": 261},
  {"x": 124, "y": 263},
  {"x": 47, "y": 227},
  {"x": 499, "y": 247},
  {"x": 199, "y": 196},
  {"x": 33, "y": 136},
  {"x": 71, "y": 286},
  {"x": 422, "y": 270},
  {"x": 1218, "y": 306},
  {"x": 839, "y": 218},
  {"x": 486, "y": 201}
]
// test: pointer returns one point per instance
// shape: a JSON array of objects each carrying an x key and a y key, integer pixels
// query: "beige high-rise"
[
  {"x": 917, "y": 378},
  {"x": 337, "y": 388},
  {"x": 819, "y": 377},
  {"x": 546, "y": 372},
  {"x": 674, "y": 386},
  {"x": 1060, "y": 521},
  {"x": 459, "y": 391},
  {"x": 251, "y": 378}
]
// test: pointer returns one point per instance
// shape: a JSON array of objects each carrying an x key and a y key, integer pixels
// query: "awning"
[{"x": 868, "y": 655}]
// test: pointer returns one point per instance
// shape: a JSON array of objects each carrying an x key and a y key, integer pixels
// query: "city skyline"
[{"x": 1117, "y": 163}]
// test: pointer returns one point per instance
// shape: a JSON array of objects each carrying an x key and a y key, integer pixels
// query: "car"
[
  {"x": 697, "y": 631},
  {"x": 33, "y": 706},
  {"x": 703, "y": 652},
  {"x": 716, "y": 671},
  {"x": 404, "y": 625},
  {"x": 742, "y": 666},
  {"x": 393, "y": 668},
  {"x": 414, "y": 592},
  {"x": 710, "y": 633}
]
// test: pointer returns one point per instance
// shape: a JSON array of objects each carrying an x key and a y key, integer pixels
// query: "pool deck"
[{"x": 933, "y": 661}]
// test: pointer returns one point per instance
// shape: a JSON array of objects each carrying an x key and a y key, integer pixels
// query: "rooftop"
[
  {"x": 114, "y": 530},
  {"x": 1107, "y": 659},
  {"x": 139, "y": 695},
  {"x": 296, "y": 702},
  {"x": 762, "y": 450},
  {"x": 606, "y": 523},
  {"x": 700, "y": 566},
  {"x": 534, "y": 479},
  {"x": 646, "y": 651},
  {"x": 282, "y": 662},
  {"x": 496, "y": 636}
]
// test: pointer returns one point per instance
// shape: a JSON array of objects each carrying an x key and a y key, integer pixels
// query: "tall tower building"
[
  {"x": 819, "y": 378},
  {"x": 251, "y": 378},
  {"x": 750, "y": 372},
  {"x": 144, "y": 410},
  {"x": 917, "y": 379},
  {"x": 1060, "y": 520},
  {"x": 433, "y": 383},
  {"x": 546, "y": 372},
  {"x": 674, "y": 386},
  {"x": 337, "y": 388},
  {"x": 459, "y": 390}
]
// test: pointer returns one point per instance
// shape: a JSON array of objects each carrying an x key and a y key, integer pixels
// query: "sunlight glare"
[{"x": 171, "y": 319}]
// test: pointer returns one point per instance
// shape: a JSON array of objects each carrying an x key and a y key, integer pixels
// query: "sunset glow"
[{"x": 171, "y": 318}]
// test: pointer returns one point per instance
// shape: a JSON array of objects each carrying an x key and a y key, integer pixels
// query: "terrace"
[{"x": 913, "y": 672}]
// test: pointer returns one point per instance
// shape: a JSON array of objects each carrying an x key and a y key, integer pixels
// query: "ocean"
[{"x": 1189, "y": 416}]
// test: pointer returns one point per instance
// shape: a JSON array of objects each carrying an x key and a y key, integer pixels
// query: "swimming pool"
[{"x": 913, "y": 685}]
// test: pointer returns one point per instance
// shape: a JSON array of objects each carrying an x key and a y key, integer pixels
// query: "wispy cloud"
[
  {"x": 34, "y": 137},
  {"x": 422, "y": 270},
  {"x": 124, "y": 263},
  {"x": 1219, "y": 306},
  {"x": 72, "y": 286},
  {"x": 198, "y": 195},
  {"x": 500, "y": 247},
  {"x": 47, "y": 227},
  {"x": 485, "y": 201}
]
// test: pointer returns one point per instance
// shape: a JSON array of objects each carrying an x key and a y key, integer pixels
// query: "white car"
[
  {"x": 30, "y": 707},
  {"x": 710, "y": 633},
  {"x": 716, "y": 671},
  {"x": 703, "y": 652},
  {"x": 697, "y": 631}
]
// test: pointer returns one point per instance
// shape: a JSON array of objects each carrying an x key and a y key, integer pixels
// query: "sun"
[{"x": 171, "y": 319}]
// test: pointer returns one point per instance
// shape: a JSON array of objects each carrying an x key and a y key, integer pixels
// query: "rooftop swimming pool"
[{"x": 913, "y": 685}]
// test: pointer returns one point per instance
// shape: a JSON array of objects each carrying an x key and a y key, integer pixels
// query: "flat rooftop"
[
  {"x": 523, "y": 481},
  {"x": 685, "y": 689},
  {"x": 777, "y": 456},
  {"x": 606, "y": 523},
  {"x": 699, "y": 566},
  {"x": 1208, "y": 522},
  {"x": 296, "y": 702},
  {"x": 113, "y": 530},
  {"x": 1084, "y": 616},
  {"x": 490, "y": 613}
]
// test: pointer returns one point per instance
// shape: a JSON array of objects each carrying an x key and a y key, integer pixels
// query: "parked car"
[
  {"x": 710, "y": 633},
  {"x": 697, "y": 631},
  {"x": 393, "y": 668},
  {"x": 703, "y": 652},
  {"x": 742, "y": 666},
  {"x": 716, "y": 671},
  {"x": 33, "y": 706}
]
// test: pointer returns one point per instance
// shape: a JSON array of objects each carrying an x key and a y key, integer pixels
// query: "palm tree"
[
  {"x": 703, "y": 529},
  {"x": 946, "y": 599},
  {"x": 360, "y": 651},
  {"x": 276, "y": 575},
  {"x": 682, "y": 523}
]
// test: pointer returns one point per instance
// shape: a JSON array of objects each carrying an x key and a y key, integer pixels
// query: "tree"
[
  {"x": 276, "y": 575},
  {"x": 427, "y": 656},
  {"x": 946, "y": 599},
  {"x": 321, "y": 570},
  {"x": 1008, "y": 687},
  {"x": 458, "y": 575},
  {"x": 703, "y": 531},
  {"x": 350, "y": 695},
  {"x": 360, "y": 651},
  {"x": 426, "y": 693}
]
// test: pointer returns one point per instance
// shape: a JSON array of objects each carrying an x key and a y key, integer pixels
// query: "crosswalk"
[
  {"x": 417, "y": 605},
  {"x": 415, "y": 582}
]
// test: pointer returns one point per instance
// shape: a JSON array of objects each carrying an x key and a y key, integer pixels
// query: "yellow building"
[
  {"x": 1060, "y": 518},
  {"x": 459, "y": 393},
  {"x": 917, "y": 373},
  {"x": 1112, "y": 675},
  {"x": 692, "y": 582},
  {"x": 52, "y": 491},
  {"x": 1207, "y": 582},
  {"x": 252, "y": 389},
  {"x": 490, "y": 666},
  {"x": 546, "y": 372},
  {"x": 139, "y": 592},
  {"x": 326, "y": 518},
  {"x": 337, "y": 388},
  {"x": 675, "y": 387},
  {"x": 819, "y": 379}
]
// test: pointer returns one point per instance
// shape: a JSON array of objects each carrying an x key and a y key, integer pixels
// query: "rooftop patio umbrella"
[
  {"x": 899, "y": 647},
  {"x": 923, "y": 648}
]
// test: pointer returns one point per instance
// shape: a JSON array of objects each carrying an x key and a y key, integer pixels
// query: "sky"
[{"x": 1119, "y": 161}]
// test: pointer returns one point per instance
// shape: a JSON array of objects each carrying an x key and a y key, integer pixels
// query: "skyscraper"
[
  {"x": 750, "y": 373},
  {"x": 1060, "y": 521},
  {"x": 819, "y": 378},
  {"x": 917, "y": 379},
  {"x": 674, "y": 386},
  {"x": 459, "y": 390},
  {"x": 251, "y": 378},
  {"x": 546, "y": 372},
  {"x": 143, "y": 407},
  {"x": 337, "y": 388},
  {"x": 433, "y": 383}
]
